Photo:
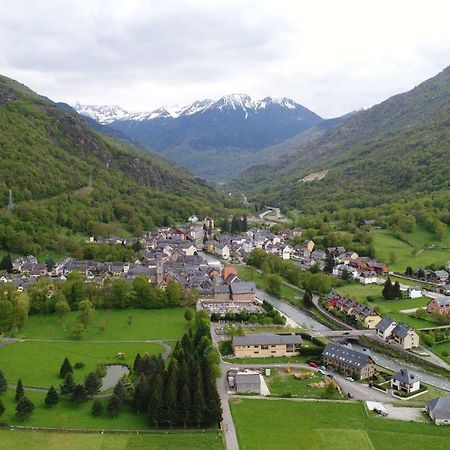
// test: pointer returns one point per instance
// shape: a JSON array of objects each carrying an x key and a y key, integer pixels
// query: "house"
[
  {"x": 441, "y": 275},
  {"x": 405, "y": 336},
  {"x": 309, "y": 245},
  {"x": 287, "y": 252},
  {"x": 247, "y": 382},
  {"x": 384, "y": 327},
  {"x": 222, "y": 250},
  {"x": 266, "y": 344},
  {"x": 439, "y": 305},
  {"x": 347, "y": 361},
  {"x": 243, "y": 291},
  {"x": 297, "y": 232},
  {"x": 221, "y": 293},
  {"x": 414, "y": 292},
  {"x": 368, "y": 277},
  {"x": 366, "y": 315},
  {"x": 439, "y": 410},
  {"x": 443, "y": 289},
  {"x": 405, "y": 381},
  {"x": 208, "y": 222},
  {"x": 340, "y": 268},
  {"x": 193, "y": 219},
  {"x": 378, "y": 267}
]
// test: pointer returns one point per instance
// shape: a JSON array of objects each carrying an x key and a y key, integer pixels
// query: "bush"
[
  {"x": 79, "y": 365},
  {"x": 226, "y": 347}
]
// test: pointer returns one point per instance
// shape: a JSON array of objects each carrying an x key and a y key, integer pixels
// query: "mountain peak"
[{"x": 102, "y": 113}]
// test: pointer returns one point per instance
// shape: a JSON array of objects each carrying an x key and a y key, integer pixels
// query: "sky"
[{"x": 331, "y": 56}]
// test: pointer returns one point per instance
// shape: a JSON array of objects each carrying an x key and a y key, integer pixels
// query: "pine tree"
[
  {"x": 6, "y": 263},
  {"x": 79, "y": 394},
  {"x": 198, "y": 404},
  {"x": 2, "y": 408},
  {"x": 184, "y": 400},
  {"x": 137, "y": 364},
  {"x": 114, "y": 405},
  {"x": 155, "y": 405},
  {"x": 307, "y": 298},
  {"x": 120, "y": 391},
  {"x": 68, "y": 384},
  {"x": 92, "y": 383},
  {"x": 3, "y": 382},
  {"x": 97, "y": 408},
  {"x": 397, "y": 293},
  {"x": 329, "y": 263},
  {"x": 20, "y": 392},
  {"x": 170, "y": 396},
  {"x": 66, "y": 367},
  {"x": 24, "y": 409},
  {"x": 387, "y": 291},
  {"x": 52, "y": 397},
  {"x": 141, "y": 395}
]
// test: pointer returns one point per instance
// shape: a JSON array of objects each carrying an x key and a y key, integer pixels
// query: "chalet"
[
  {"x": 439, "y": 305},
  {"x": 286, "y": 252},
  {"x": 358, "y": 365},
  {"x": 346, "y": 305},
  {"x": 266, "y": 344},
  {"x": 414, "y": 292},
  {"x": 439, "y": 410},
  {"x": 405, "y": 381},
  {"x": 368, "y": 277},
  {"x": 441, "y": 275},
  {"x": 222, "y": 250},
  {"x": 243, "y": 291},
  {"x": 366, "y": 315},
  {"x": 340, "y": 268},
  {"x": 405, "y": 336},
  {"x": 443, "y": 289},
  {"x": 378, "y": 267},
  {"x": 384, "y": 327},
  {"x": 309, "y": 245}
]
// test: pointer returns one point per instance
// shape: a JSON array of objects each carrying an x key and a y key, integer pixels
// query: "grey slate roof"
[
  {"x": 243, "y": 287},
  {"x": 247, "y": 378},
  {"x": 442, "y": 302},
  {"x": 267, "y": 339},
  {"x": 401, "y": 330},
  {"x": 384, "y": 324},
  {"x": 347, "y": 355},
  {"x": 440, "y": 407},
  {"x": 405, "y": 376}
]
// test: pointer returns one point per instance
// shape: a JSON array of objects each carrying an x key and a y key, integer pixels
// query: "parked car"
[
  {"x": 323, "y": 367},
  {"x": 350, "y": 379},
  {"x": 346, "y": 333},
  {"x": 313, "y": 364},
  {"x": 321, "y": 371},
  {"x": 330, "y": 375},
  {"x": 350, "y": 395},
  {"x": 381, "y": 412}
]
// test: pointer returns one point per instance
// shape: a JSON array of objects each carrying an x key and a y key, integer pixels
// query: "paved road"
[{"x": 345, "y": 334}]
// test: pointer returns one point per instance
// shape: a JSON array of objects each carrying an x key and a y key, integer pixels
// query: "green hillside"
[
  {"x": 47, "y": 156},
  {"x": 395, "y": 151}
]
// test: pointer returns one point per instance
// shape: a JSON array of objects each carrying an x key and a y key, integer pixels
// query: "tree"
[
  {"x": 50, "y": 263},
  {"x": 155, "y": 405},
  {"x": 2, "y": 408},
  {"x": 97, "y": 408},
  {"x": 61, "y": 308},
  {"x": 329, "y": 263},
  {"x": 79, "y": 394},
  {"x": 113, "y": 406},
  {"x": 307, "y": 298},
  {"x": 20, "y": 391},
  {"x": 52, "y": 397},
  {"x": 66, "y": 367},
  {"x": 388, "y": 290},
  {"x": 24, "y": 409},
  {"x": 396, "y": 291},
  {"x": 6, "y": 316},
  {"x": 6, "y": 263},
  {"x": 68, "y": 384},
  {"x": 78, "y": 330},
  {"x": 188, "y": 315},
  {"x": 120, "y": 391},
  {"x": 86, "y": 313},
  {"x": 3, "y": 382},
  {"x": 409, "y": 271},
  {"x": 274, "y": 283},
  {"x": 137, "y": 364},
  {"x": 183, "y": 405},
  {"x": 92, "y": 383}
]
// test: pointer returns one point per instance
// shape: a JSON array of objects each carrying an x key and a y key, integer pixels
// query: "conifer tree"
[
  {"x": 79, "y": 394},
  {"x": 24, "y": 409},
  {"x": 2, "y": 408},
  {"x": 137, "y": 364},
  {"x": 66, "y": 367},
  {"x": 68, "y": 384},
  {"x": 155, "y": 405},
  {"x": 114, "y": 405},
  {"x": 397, "y": 293},
  {"x": 141, "y": 395},
  {"x": 52, "y": 397},
  {"x": 92, "y": 383},
  {"x": 97, "y": 408},
  {"x": 3, "y": 382},
  {"x": 387, "y": 291},
  {"x": 184, "y": 400},
  {"x": 20, "y": 392},
  {"x": 120, "y": 391}
]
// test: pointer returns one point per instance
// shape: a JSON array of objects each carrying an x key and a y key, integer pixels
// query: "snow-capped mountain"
[{"x": 234, "y": 123}]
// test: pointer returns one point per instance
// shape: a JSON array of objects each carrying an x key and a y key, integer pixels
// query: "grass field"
[
  {"x": 443, "y": 350},
  {"x": 386, "y": 244},
  {"x": 280, "y": 383},
  {"x": 327, "y": 425},
  {"x": 20, "y": 440},
  {"x": 107, "y": 325},
  {"x": 38, "y": 363}
]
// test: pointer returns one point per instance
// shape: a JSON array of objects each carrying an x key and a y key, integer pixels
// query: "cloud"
[{"x": 332, "y": 57}]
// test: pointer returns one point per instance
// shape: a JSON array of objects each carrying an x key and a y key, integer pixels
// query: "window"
[{"x": 264, "y": 347}]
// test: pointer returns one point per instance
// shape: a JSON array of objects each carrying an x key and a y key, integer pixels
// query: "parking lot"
[{"x": 232, "y": 307}]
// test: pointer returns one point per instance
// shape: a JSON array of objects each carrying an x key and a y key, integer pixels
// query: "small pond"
[{"x": 113, "y": 374}]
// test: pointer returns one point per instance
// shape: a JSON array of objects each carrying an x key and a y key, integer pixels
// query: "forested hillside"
[
  {"x": 47, "y": 156},
  {"x": 398, "y": 150}
]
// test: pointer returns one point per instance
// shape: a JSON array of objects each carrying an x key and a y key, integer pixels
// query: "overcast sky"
[{"x": 331, "y": 56}]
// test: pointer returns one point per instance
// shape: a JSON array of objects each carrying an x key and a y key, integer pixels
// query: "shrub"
[{"x": 79, "y": 365}]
